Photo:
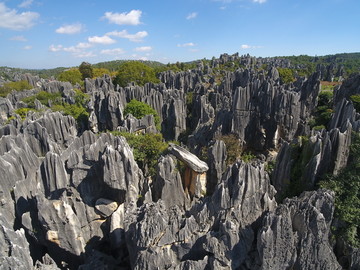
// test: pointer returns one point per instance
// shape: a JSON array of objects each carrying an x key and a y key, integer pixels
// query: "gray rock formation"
[
  {"x": 14, "y": 248},
  {"x": 291, "y": 233},
  {"x": 80, "y": 201},
  {"x": 168, "y": 185}
]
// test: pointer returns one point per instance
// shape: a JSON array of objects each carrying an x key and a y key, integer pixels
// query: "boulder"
[{"x": 105, "y": 207}]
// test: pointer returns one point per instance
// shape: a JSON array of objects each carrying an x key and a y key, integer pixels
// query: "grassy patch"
[{"x": 10, "y": 86}]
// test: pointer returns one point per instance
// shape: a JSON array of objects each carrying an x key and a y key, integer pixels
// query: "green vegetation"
[
  {"x": 44, "y": 97},
  {"x": 328, "y": 86},
  {"x": 286, "y": 75},
  {"x": 18, "y": 86},
  {"x": 301, "y": 153},
  {"x": 139, "y": 109},
  {"x": 135, "y": 71},
  {"x": 147, "y": 149},
  {"x": 233, "y": 147},
  {"x": 77, "y": 110},
  {"x": 247, "y": 157},
  {"x": 323, "y": 112},
  {"x": 55, "y": 102},
  {"x": 86, "y": 70},
  {"x": 346, "y": 186},
  {"x": 356, "y": 101},
  {"x": 22, "y": 112},
  {"x": 115, "y": 64},
  {"x": 270, "y": 166},
  {"x": 306, "y": 65},
  {"x": 99, "y": 72},
  {"x": 72, "y": 75}
]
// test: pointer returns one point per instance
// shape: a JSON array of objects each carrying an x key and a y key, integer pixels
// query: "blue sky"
[{"x": 48, "y": 33}]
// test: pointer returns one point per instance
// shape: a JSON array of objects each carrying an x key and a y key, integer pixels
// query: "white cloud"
[
  {"x": 84, "y": 55},
  {"x": 137, "y": 37},
  {"x": 192, "y": 15},
  {"x": 77, "y": 48},
  {"x": 25, "y": 4},
  {"x": 190, "y": 44},
  {"x": 105, "y": 40},
  {"x": 143, "y": 49},
  {"x": 55, "y": 48},
  {"x": 246, "y": 46},
  {"x": 83, "y": 45},
  {"x": 19, "y": 38},
  {"x": 116, "y": 51},
  {"x": 259, "y": 1},
  {"x": 130, "y": 18},
  {"x": 70, "y": 29},
  {"x": 11, "y": 19},
  {"x": 27, "y": 47},
  {"x": 193, "y": 50}
]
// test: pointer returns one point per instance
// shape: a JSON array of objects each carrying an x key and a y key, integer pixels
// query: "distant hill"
[{"x": 349, "y": 62}]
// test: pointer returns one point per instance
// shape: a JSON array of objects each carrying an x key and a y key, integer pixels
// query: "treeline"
[{"x": 350, "y": 62}]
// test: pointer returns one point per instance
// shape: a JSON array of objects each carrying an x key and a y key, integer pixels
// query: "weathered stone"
[
  {"x": 14, "y": 248},
  {"x": 167, "y": 185},
  {"x": 105, "y": 207},
  {"x": 189, "y": 159},
  {"x": 291, "y": 233},
  {"x": 53, "y": 174}
]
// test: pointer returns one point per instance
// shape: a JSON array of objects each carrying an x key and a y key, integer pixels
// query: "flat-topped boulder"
[{"x": 189, "y": 159}]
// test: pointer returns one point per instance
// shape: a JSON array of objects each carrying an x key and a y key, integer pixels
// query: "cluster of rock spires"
[{"x": 78, "y": 200}]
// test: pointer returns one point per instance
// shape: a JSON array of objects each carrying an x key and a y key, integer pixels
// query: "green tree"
[
  {"x": 286, "y": 75},
  {"x": 86, "y": 70},
  {"x": 147, "y": 149},
  {"x": 99, "y": 72},
  {"x": 140, "y": 109},
  {"x": 72, "y": 75},
  {"x": 135, "y": 71}
]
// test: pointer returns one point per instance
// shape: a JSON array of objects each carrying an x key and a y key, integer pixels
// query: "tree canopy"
[
  {"x": 72, "y": 75},
  {"x": 135, "y": 71},
  {"x": 139, "y": 109},
  {"x": 86, "y": 70}
]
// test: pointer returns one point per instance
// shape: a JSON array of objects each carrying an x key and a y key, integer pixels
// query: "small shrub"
[
  {"x": 356, "y": 101},
  {"x": 247, "y": 157},
  {"x": 233, "y": 147},
  {"x": 22, "y": 112},
  {"x": 270, "y": 166}
]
